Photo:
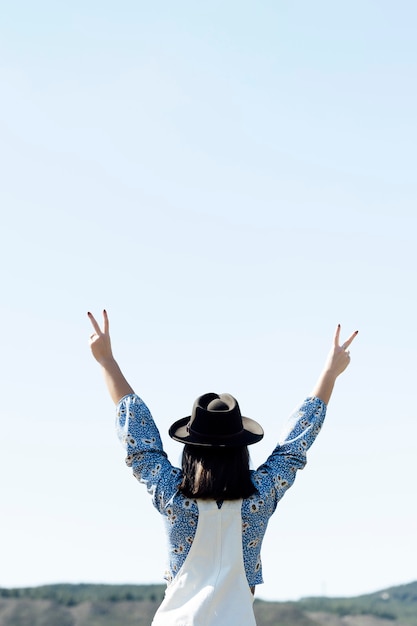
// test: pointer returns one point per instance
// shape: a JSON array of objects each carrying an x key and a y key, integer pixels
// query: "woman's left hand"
[{"x": 100, "y": 344}]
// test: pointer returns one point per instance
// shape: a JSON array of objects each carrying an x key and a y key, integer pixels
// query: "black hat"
[{"x": 216, "y": 421}]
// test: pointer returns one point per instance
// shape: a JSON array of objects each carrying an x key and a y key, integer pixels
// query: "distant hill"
[
  {"x": 396, "y": 605},
  {"x": 135, "y": 605}
]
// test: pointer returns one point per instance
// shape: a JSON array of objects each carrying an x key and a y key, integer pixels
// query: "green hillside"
[
  {"x": 397, "y": 605},
  {"x": 135, "y": 605}
]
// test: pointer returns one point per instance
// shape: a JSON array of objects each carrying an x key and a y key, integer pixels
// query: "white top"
[{"x": 211, "y": 588}]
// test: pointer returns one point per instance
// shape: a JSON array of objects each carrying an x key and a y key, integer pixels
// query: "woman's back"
[
  {"x": 138, "y": 433},
  {"x": 211, "y": 587}
]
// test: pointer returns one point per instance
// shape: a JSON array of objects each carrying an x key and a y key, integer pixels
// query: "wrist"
[
  {"x": 329, "y": 374},
  {"x": 108, "y": 363}
]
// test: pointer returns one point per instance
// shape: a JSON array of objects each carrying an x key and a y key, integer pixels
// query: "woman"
[{"x": 215, "y": 508}]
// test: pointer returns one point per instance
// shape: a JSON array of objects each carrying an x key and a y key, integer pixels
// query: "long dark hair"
[{"x": 213, "y": 473}]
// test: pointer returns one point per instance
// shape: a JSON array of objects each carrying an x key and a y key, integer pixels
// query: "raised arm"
[
  {"x": 337, "y": 362},
  {"x": 100, "y": 345}
]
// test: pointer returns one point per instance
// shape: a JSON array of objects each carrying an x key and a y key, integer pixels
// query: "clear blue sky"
[{"x": 230, "y": 180}]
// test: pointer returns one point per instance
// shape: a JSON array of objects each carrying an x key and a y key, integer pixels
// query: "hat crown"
[
  {"x": 217, "y": 405},
  {"x": 216, "y": 417}
]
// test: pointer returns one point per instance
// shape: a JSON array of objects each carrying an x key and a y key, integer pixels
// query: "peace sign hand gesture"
[
  {"x": 100, "y": 340},
  {"x": 339, "y": 356},
  {"x": 100, "y": 345},
  {"x": 337, "y": 361}
]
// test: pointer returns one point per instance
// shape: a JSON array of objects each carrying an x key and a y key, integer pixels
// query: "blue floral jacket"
[{"x": 145, "y": 455}]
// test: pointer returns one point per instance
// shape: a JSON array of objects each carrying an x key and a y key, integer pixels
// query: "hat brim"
[{"x": 252, "y": 433}]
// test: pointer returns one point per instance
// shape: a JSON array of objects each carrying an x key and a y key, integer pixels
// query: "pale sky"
[{"x": 230, "y": 180}]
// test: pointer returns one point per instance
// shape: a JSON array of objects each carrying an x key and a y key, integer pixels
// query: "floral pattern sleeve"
[
  {"x": 278, "y": 472},
  {"x": 140, "y": 437}
]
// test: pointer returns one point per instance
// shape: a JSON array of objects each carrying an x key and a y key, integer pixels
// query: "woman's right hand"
[
  {"x": 339, "y": 356},
  {"x": 336, "y": 363}
]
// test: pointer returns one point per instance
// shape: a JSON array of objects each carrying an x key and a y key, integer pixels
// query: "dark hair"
[{"x": 216, "y": 473}]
